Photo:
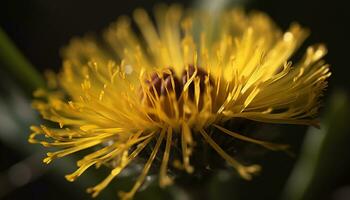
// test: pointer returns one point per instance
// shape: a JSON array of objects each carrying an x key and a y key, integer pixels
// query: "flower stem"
[{"x": 13, "y": 61}]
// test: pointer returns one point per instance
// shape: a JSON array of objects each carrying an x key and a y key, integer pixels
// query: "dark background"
[{"x": 40, "y": 28}]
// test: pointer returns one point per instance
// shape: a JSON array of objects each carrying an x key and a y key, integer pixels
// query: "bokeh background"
[{"x": 39, "y": 28}]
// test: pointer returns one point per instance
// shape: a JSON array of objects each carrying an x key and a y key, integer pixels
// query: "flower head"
[{"x": 176, "y": 79}]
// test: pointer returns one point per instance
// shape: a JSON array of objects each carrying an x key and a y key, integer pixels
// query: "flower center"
[
  {"x": 201, "y": 74},
  {"x": 168, "y": 92},
  {"x": 166, "y": 82}
]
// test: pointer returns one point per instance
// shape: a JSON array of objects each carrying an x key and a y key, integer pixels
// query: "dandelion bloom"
[{"x": 172, "y": 81}]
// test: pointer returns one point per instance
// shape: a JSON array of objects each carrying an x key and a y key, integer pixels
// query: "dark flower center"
[
  {"x": 168, "y": 82},
  {"x": 164, "y": 83}
]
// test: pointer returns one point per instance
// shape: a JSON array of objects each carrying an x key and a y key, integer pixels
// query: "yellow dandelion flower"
[{"x": 172, "y": 82}]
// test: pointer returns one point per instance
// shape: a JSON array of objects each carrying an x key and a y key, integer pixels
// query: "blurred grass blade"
[
  {"x": 17, "y": 65},
  {"x": 215, "y": 7},
  {"x": 324, "y": 157}
]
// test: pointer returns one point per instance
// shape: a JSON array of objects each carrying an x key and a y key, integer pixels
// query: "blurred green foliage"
[
  {"x": 17, "y": 65},
  {"x": 325, "y": 153}
]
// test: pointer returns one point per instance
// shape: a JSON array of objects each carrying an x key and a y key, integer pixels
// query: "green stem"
[{"x": 17, "y": 65}]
